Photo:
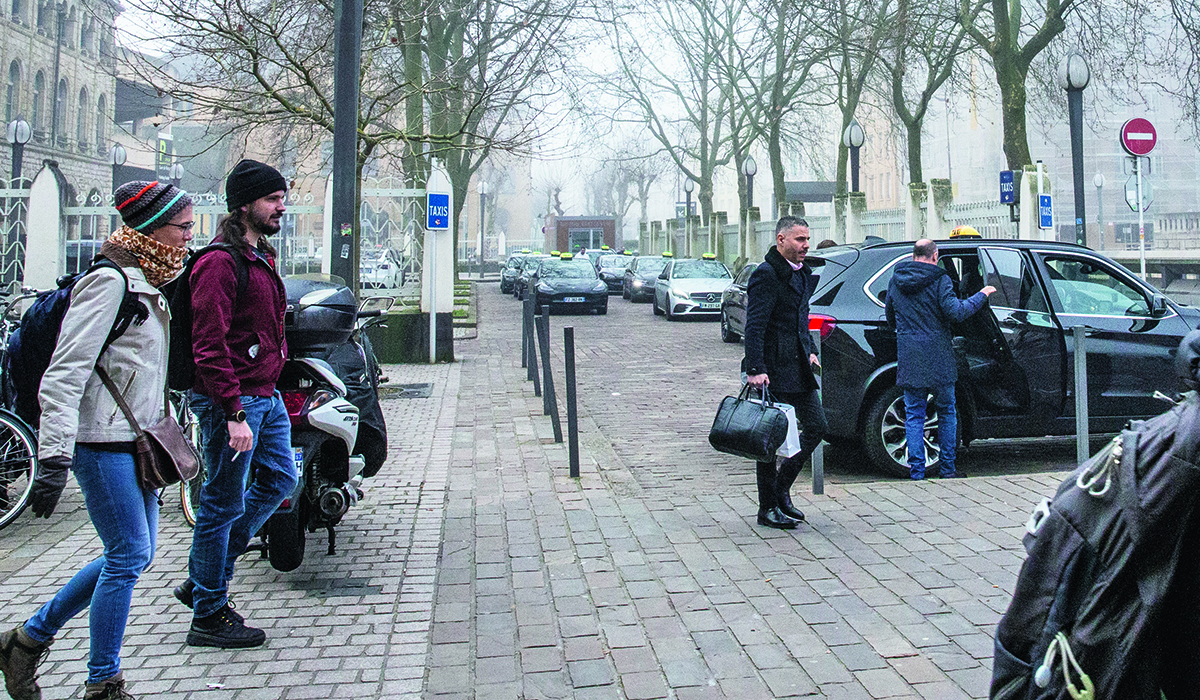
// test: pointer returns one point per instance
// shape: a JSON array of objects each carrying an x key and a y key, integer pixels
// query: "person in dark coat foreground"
[
  {"x": 780, "y": 352},
  {"x": 921, "y": 306}
]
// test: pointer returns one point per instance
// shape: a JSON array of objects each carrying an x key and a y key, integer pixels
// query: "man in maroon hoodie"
[{"x": 239, "y": 349}]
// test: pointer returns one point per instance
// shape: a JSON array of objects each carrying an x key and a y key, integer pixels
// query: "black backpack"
[
  {"x": 181, "y": 367},
  {"x": 1105, "y": 604},
  {"x": 31, "y": 346}
]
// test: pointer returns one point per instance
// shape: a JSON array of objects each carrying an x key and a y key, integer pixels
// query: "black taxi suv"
[{"x": 1015, "y": 357}]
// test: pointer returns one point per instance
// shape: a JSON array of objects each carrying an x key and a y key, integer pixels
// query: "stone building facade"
[{"x": 59, "y": 59}]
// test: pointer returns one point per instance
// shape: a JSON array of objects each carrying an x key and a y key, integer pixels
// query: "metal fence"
[
  {"x": 819, "y": 227},
  {"x": 14, "y": 208},
  {"x": 887, "y": 224},
  {"x": 991, "y": 219}
]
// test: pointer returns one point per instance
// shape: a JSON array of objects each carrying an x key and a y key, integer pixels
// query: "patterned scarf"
[{"x": 160, "y": 262}]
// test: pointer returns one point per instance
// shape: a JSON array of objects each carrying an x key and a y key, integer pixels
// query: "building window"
[
  {"x": 81, "y": 130},
  {"x": 60, "y": 110},
  {"x": 39, "y": 89},
  {"x": 16, "y": 11},
  {"x": 101, "y": 119},
  {"x": 12, "y": 102}
]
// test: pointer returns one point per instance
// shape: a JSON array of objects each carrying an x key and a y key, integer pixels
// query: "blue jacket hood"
[{"x": 912, "y": 276}]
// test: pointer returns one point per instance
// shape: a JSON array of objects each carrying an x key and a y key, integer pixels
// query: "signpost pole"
[{"x": 1137, "y": 169}]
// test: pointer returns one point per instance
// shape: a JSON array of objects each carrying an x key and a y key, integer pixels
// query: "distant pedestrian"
[
  {"x": 921, "y": 306},
  {"x": 827, "y": 243},
  {"x": 239, "y": 350},
  {"x": 780, "y": 353},
  {"x": 79, "y": 433}
]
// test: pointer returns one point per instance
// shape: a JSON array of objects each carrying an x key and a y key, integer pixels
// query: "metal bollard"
[
  {"x": 818, "y": 455},
  {"x": 1082, "y": 446},
  {"x": 549, "y": 399},
  {"x": 525, "y": 336},
  {"x": 572, "y": 409}
]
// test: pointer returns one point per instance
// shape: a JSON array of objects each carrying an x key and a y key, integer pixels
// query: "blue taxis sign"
[{"x": 437, "y": 211}]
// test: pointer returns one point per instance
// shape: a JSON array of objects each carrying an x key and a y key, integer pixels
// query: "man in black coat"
[
  {"x": 780, "y": 352},
  {"x": 921, "y": 306}
]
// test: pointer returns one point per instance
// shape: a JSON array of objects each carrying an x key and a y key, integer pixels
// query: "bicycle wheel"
[
  {"x": 189, "y": 491},
  {"x": 18, "y": 463}
]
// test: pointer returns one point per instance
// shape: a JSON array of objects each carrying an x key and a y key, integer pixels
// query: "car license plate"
[
  {"x": 710, "y": 305},
  {"x": 573, "y": 300}
]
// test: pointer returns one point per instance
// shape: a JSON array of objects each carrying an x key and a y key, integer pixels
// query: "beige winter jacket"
[{"x": 75, "y": 405}]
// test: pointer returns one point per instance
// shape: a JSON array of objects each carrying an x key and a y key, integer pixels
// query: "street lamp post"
[
  {"x": 483, "y": 190},
  {"x": 1074, "y": 75},
  {"x": 749, "y": 168},
  {"x": 688, "y": 187},
  {"x": 175, "y": 174},
  {"x": 1098, "y": 181},
  {"x": 853, "y": 138},
  {"x": 116, "y": 158},
  {"x": 18, "y": 135}
]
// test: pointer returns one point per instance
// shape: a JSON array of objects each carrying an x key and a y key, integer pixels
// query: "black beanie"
[
  {"x": 145, "y": 206},
  {"x": 251, "y": 180}
]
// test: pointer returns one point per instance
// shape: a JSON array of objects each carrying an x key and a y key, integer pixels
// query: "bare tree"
[{"x": 922, "y": 54}]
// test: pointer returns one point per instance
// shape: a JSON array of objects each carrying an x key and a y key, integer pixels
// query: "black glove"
[{"x": 48, "y": 485}]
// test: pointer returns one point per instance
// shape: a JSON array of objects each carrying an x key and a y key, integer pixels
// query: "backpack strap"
[
  {"x": 241, "y": 269},
  {"x": 131, "y": 309}
]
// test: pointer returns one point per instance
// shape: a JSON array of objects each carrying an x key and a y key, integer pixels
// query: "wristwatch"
[{"x": 238, "y": 416}]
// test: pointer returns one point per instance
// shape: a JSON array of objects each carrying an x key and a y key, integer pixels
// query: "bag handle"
[
  {"x": 765, "y": 393},
  {"x": 112, "y": 389}
]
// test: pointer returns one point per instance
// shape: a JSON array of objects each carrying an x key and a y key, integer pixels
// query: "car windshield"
[
  {"x": 531, "y": 263},
  {"x": 651, "y": 265},
  {"x": 567, "y": 269},
  {"x": 699, "y": 269},
  {"x": 514, "y": 263},
  {"x": 611, "y": 261}
]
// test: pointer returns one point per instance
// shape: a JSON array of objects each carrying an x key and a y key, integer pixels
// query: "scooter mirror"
[{"x": 380, "y": 304}]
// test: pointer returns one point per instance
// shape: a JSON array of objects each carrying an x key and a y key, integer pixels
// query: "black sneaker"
[
  {"x": 111, "y": 689},
  {"x": 19, "y": 659},
  {"x": 224, "y": 629},
  {"x": 183, "y": 593},
  {"x": 955, "y": 475}
]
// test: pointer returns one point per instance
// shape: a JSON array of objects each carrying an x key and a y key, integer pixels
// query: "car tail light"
[{"x": 825, "y": 324}]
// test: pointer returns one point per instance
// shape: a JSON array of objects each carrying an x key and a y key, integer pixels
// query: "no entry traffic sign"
[{"x": 1138, "y": 137}]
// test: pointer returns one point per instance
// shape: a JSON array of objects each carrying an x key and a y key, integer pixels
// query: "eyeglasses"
[{"x": 183, "y": 227}]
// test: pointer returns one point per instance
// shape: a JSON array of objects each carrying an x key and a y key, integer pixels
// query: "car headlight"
[
  {"x": 600, "y": 287},
  {"x": 637, "y": 283},
  {"x": 678, "y": 294},
  {"x": 545, "y": 289}
]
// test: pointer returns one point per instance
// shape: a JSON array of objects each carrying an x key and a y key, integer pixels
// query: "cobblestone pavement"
[{"x": 476, "y": 568}]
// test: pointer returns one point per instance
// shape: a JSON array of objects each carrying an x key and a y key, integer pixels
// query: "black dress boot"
[
  {"x": 774, "y": 518},
  {"x": 788, "y": 508}
]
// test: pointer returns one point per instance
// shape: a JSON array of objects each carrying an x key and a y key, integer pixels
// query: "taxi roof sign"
[
  {"x": 555, "y": 253},
  {"x": 709, "y": 256},
  {"x": 567, "y": 256},
  {"x": 668, "y": 254},
  {"x": 965, "y": 232},
  {"x": 524, "y": 250},
  {"x": 604, "y": 247}
]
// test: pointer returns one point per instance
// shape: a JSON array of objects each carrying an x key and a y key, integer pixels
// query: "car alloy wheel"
[{"x": 727, "y": 335}]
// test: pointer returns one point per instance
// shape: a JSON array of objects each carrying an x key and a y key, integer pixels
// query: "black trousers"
[{"x": 810, "y": 416}]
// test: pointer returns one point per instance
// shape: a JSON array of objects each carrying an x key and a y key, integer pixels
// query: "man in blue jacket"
[
  {"x": 921, "y": 306},
  {"x": 780, "y": 352}
]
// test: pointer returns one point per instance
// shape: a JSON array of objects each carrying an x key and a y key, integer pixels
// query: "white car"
[
  {"x": 384, "y": 272},
  {"x": 691, "y": 288}
]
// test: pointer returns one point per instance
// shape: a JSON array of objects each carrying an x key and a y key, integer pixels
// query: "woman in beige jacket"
[{"x": 83, "y": 429}]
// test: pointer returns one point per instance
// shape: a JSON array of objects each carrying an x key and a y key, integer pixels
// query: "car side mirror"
[
  {"x": 1158, "y": 306},
  {"x": 662, "y": 275}
]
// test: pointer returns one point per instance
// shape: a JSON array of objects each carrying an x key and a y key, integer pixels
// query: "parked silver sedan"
[{"x": 691, "y": 288}]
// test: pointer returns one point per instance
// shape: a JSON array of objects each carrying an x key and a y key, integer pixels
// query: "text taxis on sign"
[{"x": 437, "y": 211}]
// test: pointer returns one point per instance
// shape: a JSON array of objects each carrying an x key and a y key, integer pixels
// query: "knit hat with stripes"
[{"x": 145, "y": 206}]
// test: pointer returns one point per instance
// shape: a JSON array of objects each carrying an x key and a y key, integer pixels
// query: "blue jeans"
[
  {"x": 230, "y": 513},
  {"x": 126, "y": 518},
  {"x": 914, "y": 428}
]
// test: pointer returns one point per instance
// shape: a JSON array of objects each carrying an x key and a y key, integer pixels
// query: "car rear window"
[{"x": 567, "y": 269}]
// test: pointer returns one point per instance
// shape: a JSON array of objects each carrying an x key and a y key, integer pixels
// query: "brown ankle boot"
[
  {"x": 111, "y": 689},
  {"x": 19, "y": 659}
]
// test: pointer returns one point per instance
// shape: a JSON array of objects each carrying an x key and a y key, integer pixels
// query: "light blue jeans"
[
  {"x": 914, "y": 428},
  {"x": 230, "y": 513},
  {"x": 126, "y": 518}
]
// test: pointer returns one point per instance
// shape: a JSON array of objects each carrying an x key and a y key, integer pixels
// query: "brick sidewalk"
[{"x": 476, "y": 568}]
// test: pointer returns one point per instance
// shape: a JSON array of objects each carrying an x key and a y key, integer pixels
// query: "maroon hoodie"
[{"x": 238, "y": 345}]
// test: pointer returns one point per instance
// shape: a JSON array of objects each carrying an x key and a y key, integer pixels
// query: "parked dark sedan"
[
  {"x": 733, "y": 306},
  {"x": 640, "y": 277},
  {"x": 611, "y": 268},
  {"x": 568, "y": 284},
  {"x": 1015, "y": 356},
  {"x": 528, "y": 266},
  {"x": 512, "y": 269}
]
